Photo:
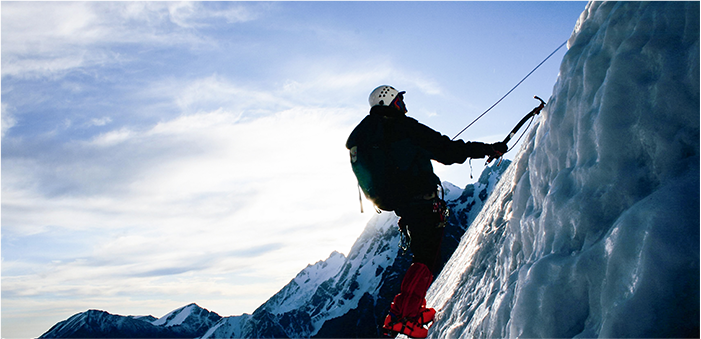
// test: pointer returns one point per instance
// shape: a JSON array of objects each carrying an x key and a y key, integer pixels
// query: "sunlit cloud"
[{"x": 214, "y": 184}]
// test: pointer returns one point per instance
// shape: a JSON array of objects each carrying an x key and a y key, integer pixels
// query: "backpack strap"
[{"x": 360, "y": 199}]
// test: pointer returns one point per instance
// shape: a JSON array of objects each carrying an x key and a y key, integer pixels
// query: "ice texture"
[{"x": 594, "y": 229}]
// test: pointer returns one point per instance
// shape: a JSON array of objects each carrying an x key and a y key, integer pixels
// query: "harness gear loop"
[
  {"x": 440, "y": 208},
  {"x": 404, "y": 236}
]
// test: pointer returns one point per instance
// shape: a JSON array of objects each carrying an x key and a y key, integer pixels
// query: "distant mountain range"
[
  {"x": 337, "y": 297},
  {"x": 186, "y": 322}
]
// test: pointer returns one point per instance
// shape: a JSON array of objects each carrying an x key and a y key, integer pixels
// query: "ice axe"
[{"x": 528, "y": 116}]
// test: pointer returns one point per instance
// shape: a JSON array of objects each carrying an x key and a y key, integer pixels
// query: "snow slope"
[{"x": 594, "y": 229}]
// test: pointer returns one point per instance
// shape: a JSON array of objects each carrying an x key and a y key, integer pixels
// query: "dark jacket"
[{"x": 412, "y": 146}]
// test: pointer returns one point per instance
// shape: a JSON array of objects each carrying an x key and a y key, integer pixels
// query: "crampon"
[{"x": 413, "y": 328}]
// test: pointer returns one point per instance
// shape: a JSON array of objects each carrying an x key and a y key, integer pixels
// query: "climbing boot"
[
  {"x": 394, "y": 326},
  {"x": 426, "y": 315}
]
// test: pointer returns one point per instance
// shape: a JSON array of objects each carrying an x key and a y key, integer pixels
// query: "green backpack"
[{"x": 373, "y": 163}]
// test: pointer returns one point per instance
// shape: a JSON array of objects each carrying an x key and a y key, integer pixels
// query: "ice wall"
[{"x": 594, "y": 229}]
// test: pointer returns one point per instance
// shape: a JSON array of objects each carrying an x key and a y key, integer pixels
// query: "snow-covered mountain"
[
  {"x": 350, "y": 296},
  {"x": 337, "y": 297},
  {"x": 594, "y": 229},
  {"x": 186, "y": 322}
]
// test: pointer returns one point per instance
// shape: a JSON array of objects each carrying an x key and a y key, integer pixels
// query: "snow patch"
[{"x": 175, "y": 317}]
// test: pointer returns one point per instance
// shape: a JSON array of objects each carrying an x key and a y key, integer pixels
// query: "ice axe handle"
[{"x": 535, "y": 111}]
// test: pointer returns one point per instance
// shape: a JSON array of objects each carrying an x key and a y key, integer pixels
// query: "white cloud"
[
  {"x": 8, "y": 119},
  {"x": 100, "y": 121},
  {"x": 113, "y": 137},
  {"x": 48, "y": 38},
  {"x": 214, "y": 93},
  {"x": 229, "y": 206},
  {"x": 197, "y": 14}
]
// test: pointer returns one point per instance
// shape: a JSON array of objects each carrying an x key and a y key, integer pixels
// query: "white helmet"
[{"x": 383, "y": 96}]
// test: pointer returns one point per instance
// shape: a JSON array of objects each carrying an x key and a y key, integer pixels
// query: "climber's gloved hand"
[
  {"x": 478, "y": 150},
  {"x": 498, "y": 149}
]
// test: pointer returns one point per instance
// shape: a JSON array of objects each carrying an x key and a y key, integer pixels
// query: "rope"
[{"x": 509, "y": 92}]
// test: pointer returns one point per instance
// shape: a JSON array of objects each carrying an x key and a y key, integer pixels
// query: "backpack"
[{"x": 374, "y": 165}]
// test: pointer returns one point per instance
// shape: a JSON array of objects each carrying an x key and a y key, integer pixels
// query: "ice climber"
[{"x": 391, "y": 157}]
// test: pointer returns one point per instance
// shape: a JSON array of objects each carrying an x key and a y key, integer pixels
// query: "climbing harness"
[
  {"x": 440, "y": 211},
  {"x": 512, "y": 89},
  {"x": 440, "y": 208},
  {"x": 513, "y": 132}
]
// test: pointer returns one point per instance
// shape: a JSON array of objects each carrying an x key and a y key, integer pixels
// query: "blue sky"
[{"x": 156, "y": 154}]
